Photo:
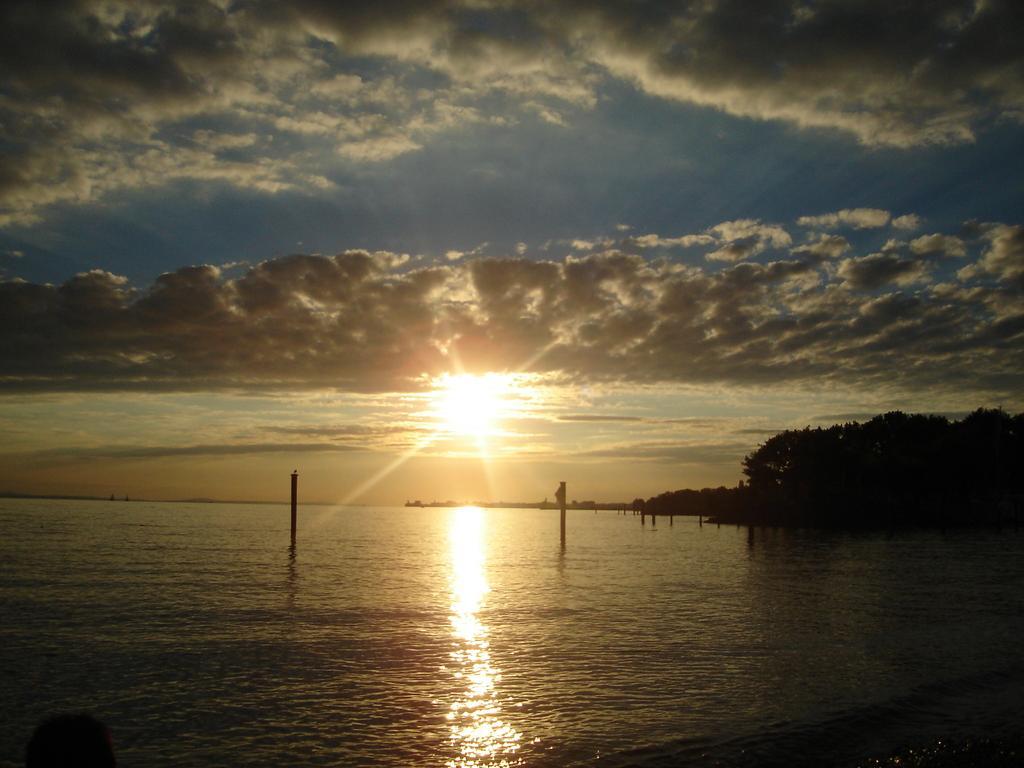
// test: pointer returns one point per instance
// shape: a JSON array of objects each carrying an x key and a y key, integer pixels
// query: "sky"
[{"x": 465, "y": 250}]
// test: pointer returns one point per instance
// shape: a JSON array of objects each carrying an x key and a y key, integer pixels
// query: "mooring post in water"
[
  {"x": 560, "y": 495},
  {"x": 295, "y": 501}
]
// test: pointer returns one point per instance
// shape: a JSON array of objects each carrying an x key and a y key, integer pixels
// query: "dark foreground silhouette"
[
  {"x": 70, "y": 741},
  {"x": 895, "y": 470}
]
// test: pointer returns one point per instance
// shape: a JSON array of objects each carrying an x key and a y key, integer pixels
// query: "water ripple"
[{"x": 468, "y": 638}]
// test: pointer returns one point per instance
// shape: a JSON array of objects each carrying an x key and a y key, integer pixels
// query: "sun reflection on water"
[{"x": 477, "y": 733}]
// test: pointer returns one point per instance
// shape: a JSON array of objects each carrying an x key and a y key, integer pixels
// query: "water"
[{"x": 468, "y": 638}]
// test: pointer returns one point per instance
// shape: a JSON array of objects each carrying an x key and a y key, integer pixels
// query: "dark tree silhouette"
[{"x": 894, "y": 470}]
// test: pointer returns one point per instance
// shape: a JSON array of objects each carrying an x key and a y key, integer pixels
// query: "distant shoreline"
[
  {"x": 585, "y": 505},
  {"x": 16, "y": 495},
  {"x": 545, "y": 504},
  {"x": 424, "y": 505},
  {"x": 82, "y": 497}
]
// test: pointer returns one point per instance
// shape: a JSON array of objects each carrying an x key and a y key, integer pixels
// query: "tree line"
[{"x": 895, "y": 470}]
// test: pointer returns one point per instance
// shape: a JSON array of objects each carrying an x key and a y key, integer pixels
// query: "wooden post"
[
  {"x": 560, "y": 495},
  {"x": 295, "y": 500}
]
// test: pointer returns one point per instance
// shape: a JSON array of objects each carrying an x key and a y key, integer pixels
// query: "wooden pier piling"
[
  {"x": 295, "y": 502},
  {"x": 560, "y": 495}
]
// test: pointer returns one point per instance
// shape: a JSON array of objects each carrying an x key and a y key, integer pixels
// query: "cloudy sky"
[{"x": 238, "y": 238}]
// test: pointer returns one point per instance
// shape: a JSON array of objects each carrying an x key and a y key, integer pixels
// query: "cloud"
[
  {"x": 371, "y": 322},
  {"x": 674, "y": 452},
  {"x": 744, "y": 228},
  {"x": 843, "y": 418},
  {"x": 825, "y": 247},
  {"x": 855, "y": 218},
  {"x": 355, "y": 436},
  {"x": 735, "y": 240},
  {"x": 1004, "y": 257},
  {"x": 908, "y": 221},
  {"x": 378, "y": 149},
  {"x": 219, "y": 141},
  {"x": 171, "y": 451},
  {"x": 744, "y": 238},
  {"x": 684, "y": 241},
  {"x": 101, "y": 97},
  {"x": 890, "y": 75},
  {"x": 937, "y": 244},
  {"x": 879, "y": 269},
  {"x": 344, "y": 432},
  {"x": 597, "y": 417},
  {"x": 861, "y": 416}
]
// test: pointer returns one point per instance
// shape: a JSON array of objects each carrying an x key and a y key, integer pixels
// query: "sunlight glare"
[
  {"x": 478, "y": 735},
  {"x": 471, "y": 405}
]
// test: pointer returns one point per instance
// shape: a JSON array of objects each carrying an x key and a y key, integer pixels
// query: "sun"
[{"x": 470, "y": 405}]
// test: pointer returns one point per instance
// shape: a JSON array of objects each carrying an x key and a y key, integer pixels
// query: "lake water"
[{"x": 466, "y": 637}]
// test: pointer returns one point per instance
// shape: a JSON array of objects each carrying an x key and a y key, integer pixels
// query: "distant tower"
[{"x": 295, "y": 500}]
